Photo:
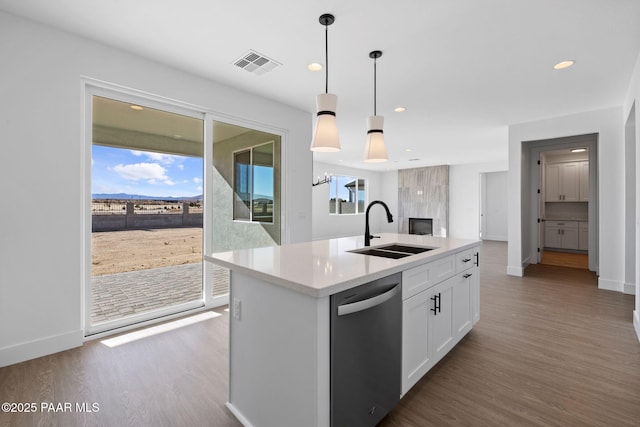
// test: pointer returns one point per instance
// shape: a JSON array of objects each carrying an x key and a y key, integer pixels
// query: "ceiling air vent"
[{"x": 256, "y": 63}]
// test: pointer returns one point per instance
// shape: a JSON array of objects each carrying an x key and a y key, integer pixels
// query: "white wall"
[
  {"x": 41, "y": 118},
  {"x": 381, "y": 186},
  {"x": 633, "y": 99},
  {"x": 608, "y": 123},
  {"x": 464, "y": 197}
]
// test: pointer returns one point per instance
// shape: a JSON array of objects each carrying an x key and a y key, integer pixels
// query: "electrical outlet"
[{"x": 236, "y": 308}]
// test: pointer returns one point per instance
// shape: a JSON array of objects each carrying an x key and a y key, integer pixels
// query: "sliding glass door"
[
  {"x": 164, "y": 184},
  {"x": 147, "y": 203}
]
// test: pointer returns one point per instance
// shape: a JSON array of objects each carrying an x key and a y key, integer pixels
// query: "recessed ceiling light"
[
  {"x": 564, "y": 64},
  {"x": 136, "y": 107},
  {"x": 578, "y": 150},
  {"x": 407, "y": 150},
  {"x": 314, "y": 66},
  {"x": 399, "y": 109}
]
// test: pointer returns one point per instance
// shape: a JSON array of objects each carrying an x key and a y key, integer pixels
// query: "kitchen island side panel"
[{"x": 279, "y": 359}]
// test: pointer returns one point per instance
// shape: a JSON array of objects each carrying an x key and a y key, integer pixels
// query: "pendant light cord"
[
  {"x": 374, "y": 87},
  {"x": 326, "y": 58},
  {"x": 375, "y": 55}
]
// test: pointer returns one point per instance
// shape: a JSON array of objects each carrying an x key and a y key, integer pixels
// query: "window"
[
  {"x": 346, "y": 195},
  {"x": 253, "y": 184}
]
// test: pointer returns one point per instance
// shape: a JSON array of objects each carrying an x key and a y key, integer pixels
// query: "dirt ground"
[{"x": 129, "y": 250}]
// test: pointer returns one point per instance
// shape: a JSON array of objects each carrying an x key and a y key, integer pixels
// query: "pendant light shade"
[
  {"x": 375, "y": 150},
  {"x": 325, "y": 134}
]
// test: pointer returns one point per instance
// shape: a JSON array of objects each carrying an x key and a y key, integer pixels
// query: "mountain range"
[{"x": 126, "y": 196}]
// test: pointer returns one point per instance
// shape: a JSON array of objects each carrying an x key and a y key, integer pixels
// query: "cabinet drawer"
[
  {"x": 417, "y": 279},
  {"x": 465, "y": 260},
  {"x": 562, "y": 224}
]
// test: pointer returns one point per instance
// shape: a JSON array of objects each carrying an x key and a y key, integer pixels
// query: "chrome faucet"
[{"x": 367, "y": 235}]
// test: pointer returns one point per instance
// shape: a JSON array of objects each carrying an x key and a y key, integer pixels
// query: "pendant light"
[
  {"x": 325, "y": 135},
  {"x": 374, "y": 150}
]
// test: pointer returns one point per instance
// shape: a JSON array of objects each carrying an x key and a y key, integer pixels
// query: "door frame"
[
  {"x": 92, "y": 87},
  {"x": 535, "y": 176},
  {"x": 484, "y": 192}
]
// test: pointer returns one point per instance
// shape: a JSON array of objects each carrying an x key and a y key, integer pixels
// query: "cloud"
[
  {"x": 197, "y": 180},
  {"x": 142, "y": 171},
  {"x": 165, "y": 159}
]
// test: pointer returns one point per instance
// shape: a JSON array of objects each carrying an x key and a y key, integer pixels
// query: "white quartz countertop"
[{"x": 323, "y": 267}]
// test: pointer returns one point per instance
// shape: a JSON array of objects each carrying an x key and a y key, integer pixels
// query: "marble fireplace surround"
[{"x": 424, "y": 193}]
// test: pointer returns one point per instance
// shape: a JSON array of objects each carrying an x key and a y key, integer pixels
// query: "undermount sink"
[
  {"x": 404, "y": 248},
  {"x": 386, "y": 254},
  {"x": 393, "y": 250}
]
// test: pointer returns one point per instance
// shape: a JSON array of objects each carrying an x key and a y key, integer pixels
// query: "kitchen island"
[{"x": 280, "y": 363}]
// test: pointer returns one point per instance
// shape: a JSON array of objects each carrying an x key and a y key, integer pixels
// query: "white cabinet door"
[
  {"x": 427, "y": 330},
  {"x": 462, "y": 302},
  {"x": 583, "y": 238},
  {"x": 441, "y": 322},
  {"x": 584, "y": 181},
  {"x": 570, "y": 181},
  {"x": 567, "y": 182},
  {"x": 561, "y": 234},
  {"x": 475, "y": 294},
  {"x": 552, "y": 237},
  {"x": 570, "y": 238},
  {"x": 416, "y": 350},
  {"x": 552, "y": 183}
]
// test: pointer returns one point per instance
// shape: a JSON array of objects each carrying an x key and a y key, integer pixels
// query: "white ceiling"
[{"x": 464, "y": 69}]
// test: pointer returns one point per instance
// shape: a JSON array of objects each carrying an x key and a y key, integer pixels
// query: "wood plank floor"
[
  {"x": 565, "y": 259},
  {"x": 550, "y": 350}
]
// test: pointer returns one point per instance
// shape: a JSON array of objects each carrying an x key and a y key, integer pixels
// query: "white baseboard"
[
  {"x": 610, "y": 285},
  {"x": 245, "y": 422},
  {"x": 515, "y": 271},
  {"x": 41, "y": 347},
  {"x": 636, "y": 323},
  {"x": 629, "y": 288}
]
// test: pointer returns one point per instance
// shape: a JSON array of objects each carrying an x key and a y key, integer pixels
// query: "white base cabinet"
[
  {"x": 572, "y": 235},
  {"x": 437, "y": 315}
]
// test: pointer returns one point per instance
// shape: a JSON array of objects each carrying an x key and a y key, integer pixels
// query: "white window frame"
[
  {"x": 333, "y": 180},
  {"x": 233, "y": 162}
]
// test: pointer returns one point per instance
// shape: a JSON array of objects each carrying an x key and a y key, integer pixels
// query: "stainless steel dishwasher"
[{"x": 366, "y": 341}]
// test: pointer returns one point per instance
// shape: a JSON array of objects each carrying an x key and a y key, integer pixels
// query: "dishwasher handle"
[{"x": 354, "y": 307}]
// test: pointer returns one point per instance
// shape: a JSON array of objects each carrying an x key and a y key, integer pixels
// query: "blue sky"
[{"x": 118, "y": 170}]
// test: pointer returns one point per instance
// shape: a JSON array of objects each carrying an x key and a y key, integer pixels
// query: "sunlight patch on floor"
[{"x": 158, "y": 329}]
